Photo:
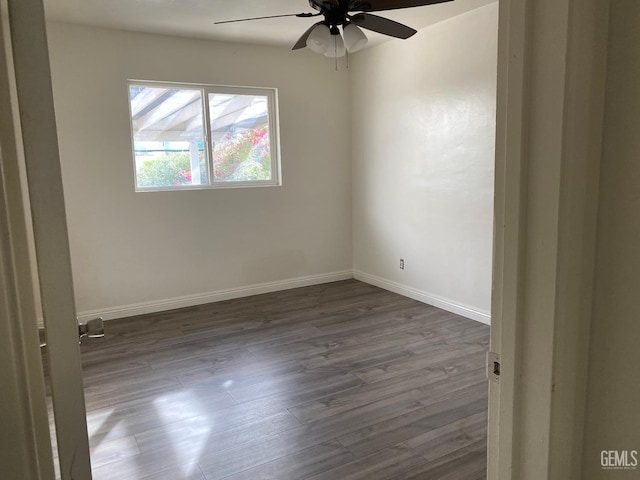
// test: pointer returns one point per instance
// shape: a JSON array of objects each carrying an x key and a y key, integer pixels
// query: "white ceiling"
[{"x": 194, "y": 18}]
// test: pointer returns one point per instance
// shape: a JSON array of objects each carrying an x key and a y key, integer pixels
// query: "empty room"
[
  {"x": 221, "y": 258},
  {"x": 291, "y": 249}
]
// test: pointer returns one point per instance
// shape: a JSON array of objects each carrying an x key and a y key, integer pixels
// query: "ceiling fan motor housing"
[{"x": 334, "y": 13}]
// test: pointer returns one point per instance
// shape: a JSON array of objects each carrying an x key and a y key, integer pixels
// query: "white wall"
[
  {"x": 423, "y": 114},
  {"x": 613, "y": 399},
  {"x": 143, "y": 248}
]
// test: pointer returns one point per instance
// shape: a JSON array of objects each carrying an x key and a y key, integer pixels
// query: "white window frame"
[{"x": 205, "y": 90}]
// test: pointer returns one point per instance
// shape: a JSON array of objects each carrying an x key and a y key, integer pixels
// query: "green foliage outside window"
[
  {"x": 173, "y": 168},
  {"x": 242, "y": 157}
]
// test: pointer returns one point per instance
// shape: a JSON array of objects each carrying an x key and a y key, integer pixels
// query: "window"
[{"x": 203, "y": 136}]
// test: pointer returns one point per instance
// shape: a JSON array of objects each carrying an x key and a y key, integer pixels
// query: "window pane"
[
  {"x": 168, "y": 136},
  {"x": 240, "y": 137}
]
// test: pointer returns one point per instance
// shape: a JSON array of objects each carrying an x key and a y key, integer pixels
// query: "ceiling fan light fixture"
[
  {"x": 354, "y": 38},
  {"x": 320, "y": 39},
  {"x": 336, "y": 47}
]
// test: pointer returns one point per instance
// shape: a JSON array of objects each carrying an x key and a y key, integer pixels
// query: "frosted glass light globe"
[
  {"x": 354, "y": 38},
  {"x": 319, "y": 39},
  {"x": 336, "y": 47}
]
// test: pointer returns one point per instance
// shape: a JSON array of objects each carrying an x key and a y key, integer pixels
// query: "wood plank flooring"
[{"x": 340, "y": 381}]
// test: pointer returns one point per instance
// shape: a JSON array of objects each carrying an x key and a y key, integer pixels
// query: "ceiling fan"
[{"x": 324, "y": 36}]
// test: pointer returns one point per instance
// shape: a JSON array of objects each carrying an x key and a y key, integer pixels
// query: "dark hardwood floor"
[{"x": 340, "y": 381}]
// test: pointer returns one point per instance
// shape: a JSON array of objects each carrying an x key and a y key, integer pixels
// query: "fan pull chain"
[
  {"x": 347, "y": 52},
  {"x": 335, "y": 50}
]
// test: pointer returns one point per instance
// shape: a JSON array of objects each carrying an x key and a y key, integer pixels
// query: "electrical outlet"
[{"x": 402, "y": 264}]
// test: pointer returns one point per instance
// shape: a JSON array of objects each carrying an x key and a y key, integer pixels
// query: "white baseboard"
[
  {"x": 210, "y": 297},
  {"x": 425, "y": 297},
  {"x": 227, "y": 294}
]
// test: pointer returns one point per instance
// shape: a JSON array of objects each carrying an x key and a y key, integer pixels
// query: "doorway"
[{"x": 509, "y": 253}]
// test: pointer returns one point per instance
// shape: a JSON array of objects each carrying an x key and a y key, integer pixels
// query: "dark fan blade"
[
  {"x": 382, "y": 25},
  {"x": 302, "y": 41},
  {"x": 303, "y": 15},
  {"x": 380, "y": 5}
]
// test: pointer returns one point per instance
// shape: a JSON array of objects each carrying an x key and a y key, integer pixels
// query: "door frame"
[
  {"x": 25, "y": 443},
  {"x": 551, "y": 91},
  {"x": 29, "y": 87},
  {"x": 551, "y": 77}
]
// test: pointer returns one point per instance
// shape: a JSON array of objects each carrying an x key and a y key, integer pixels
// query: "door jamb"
[
  {"x": 551, "y": 88},
  {"x": 509, "y": 221},
  {"x": 46, "y": 199},
  {"x": 25, "y": 442}
]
